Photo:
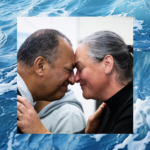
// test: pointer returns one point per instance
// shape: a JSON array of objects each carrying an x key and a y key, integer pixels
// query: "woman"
[{"x": 105, "y": 73}]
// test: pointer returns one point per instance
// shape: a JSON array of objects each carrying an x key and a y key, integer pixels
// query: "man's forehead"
[{"x": 63, "y": 41}]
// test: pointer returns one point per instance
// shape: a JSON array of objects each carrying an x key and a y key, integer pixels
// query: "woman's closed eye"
[{"x": 79, "y": 69}]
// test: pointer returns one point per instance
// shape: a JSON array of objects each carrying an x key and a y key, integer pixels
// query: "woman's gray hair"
[{"x": 104, "y": 43}]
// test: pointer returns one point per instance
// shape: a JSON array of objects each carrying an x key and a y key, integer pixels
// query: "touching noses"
[{"x": 71, "y": 78}]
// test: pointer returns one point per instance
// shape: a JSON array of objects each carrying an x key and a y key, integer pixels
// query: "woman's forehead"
[{"x": 81, "y": 52}]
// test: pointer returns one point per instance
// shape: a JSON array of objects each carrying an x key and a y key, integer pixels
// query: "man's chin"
[
  {"x": 61, "y": 95},
  {"x": 64, "y": 88}
]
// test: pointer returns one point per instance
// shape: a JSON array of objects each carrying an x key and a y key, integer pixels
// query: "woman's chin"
[{"x": 86, "y": 96}]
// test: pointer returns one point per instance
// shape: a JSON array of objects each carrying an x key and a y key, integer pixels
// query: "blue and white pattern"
[{"x": 11, "y": 9}]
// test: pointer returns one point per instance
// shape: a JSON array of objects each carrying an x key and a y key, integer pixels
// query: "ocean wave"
[
  {"x": 98, "y": 137},
  {"x": 2, "y": 111},
  {"x": 139, "y": 10},
  {"x": 11, "y": 139},
  {"x": 8, "y": 73},
  {"x": 6, "y": 87},
  {"x": 130, "y": 143},
  {"x": 141, "y": 116},
  {"x": 3, "y": 39},
  {"x": 137, "y": 25}
]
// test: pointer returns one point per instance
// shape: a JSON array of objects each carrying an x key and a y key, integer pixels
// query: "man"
[{"x": 45, "y": 63}]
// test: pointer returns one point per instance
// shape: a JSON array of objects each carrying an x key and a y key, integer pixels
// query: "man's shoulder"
[
  {"x": 66, "y": 111},
  {"x": 66, "y": 119}
]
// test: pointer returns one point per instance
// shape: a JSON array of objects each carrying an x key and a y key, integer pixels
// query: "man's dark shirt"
[{"x": 118, "y": 114}]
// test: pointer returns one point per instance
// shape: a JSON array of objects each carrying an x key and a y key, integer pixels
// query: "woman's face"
[{"x": 90, "y": 75}]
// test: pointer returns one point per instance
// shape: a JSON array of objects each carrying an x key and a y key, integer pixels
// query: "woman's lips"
[{"x": 82, "y": 85}]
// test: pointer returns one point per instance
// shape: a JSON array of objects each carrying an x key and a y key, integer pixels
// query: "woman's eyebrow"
[{"x": 78, "y": 63}]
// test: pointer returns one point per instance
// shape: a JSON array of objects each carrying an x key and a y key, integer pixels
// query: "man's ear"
[
  {"x": 39, "y": 65},
  {"x": 108, "y": 64}
]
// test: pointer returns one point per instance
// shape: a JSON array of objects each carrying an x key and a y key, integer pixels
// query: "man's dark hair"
[{"x": 43, "y": 43}]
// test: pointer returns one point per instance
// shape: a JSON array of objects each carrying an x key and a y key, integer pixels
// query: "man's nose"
[
  {"x": 77, "y": 78},
  {"x": 71, "y": 78}
]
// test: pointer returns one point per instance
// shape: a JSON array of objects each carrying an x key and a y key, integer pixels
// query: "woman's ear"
[
  {"x": 108, "y": 64},
  {"x": 39, "y": 65}
]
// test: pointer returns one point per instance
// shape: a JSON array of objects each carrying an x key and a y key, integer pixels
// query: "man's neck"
[{"x": 40, "y": 105}]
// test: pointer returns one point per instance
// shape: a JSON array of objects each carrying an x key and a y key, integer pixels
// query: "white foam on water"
[
  {"x": 143, "y": 33},
  {"x": 46, "y": 14},
  {"x": 25, "y": 12},
  {"x": 3, "y": 69},
  {"x": 112, "y": 11},
  {"x": 2, "y": 112},
  {"x": 121, "y": 15},
  {"x": 137, "y": 24},
  {"x": 70, "y": 140},
  {"x": 141, "y": 106},
  {"x": 134, "y": 3},
  {"x": 132, "y": 144},
  {"x": 137, "y": 49},
  {"x": 9, "y": 144},
  {"x": 3, "y": 39},
  {"x": 12, "y": 72},
  {"x": 98, "y": 136},
  {"x": 16, "y": 143},
  {"x": 5, "y": 87}
]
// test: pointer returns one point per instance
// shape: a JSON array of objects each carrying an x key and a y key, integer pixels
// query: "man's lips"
[
  {"x": 65, "y": 85},
  {"x": 81, "y": 84}
]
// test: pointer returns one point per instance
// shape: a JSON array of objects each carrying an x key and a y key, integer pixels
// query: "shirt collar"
[
  {"x": 23, "y": 89},
  {"x": 120, "y": 97}
]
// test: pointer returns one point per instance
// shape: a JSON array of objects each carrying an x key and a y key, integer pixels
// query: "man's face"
[
  {"x": 58, "y": 78},
  {"x": 90, "y": 74}
]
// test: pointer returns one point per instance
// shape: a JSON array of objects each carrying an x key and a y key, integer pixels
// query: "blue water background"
[{"x": 10, "y": 10}]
